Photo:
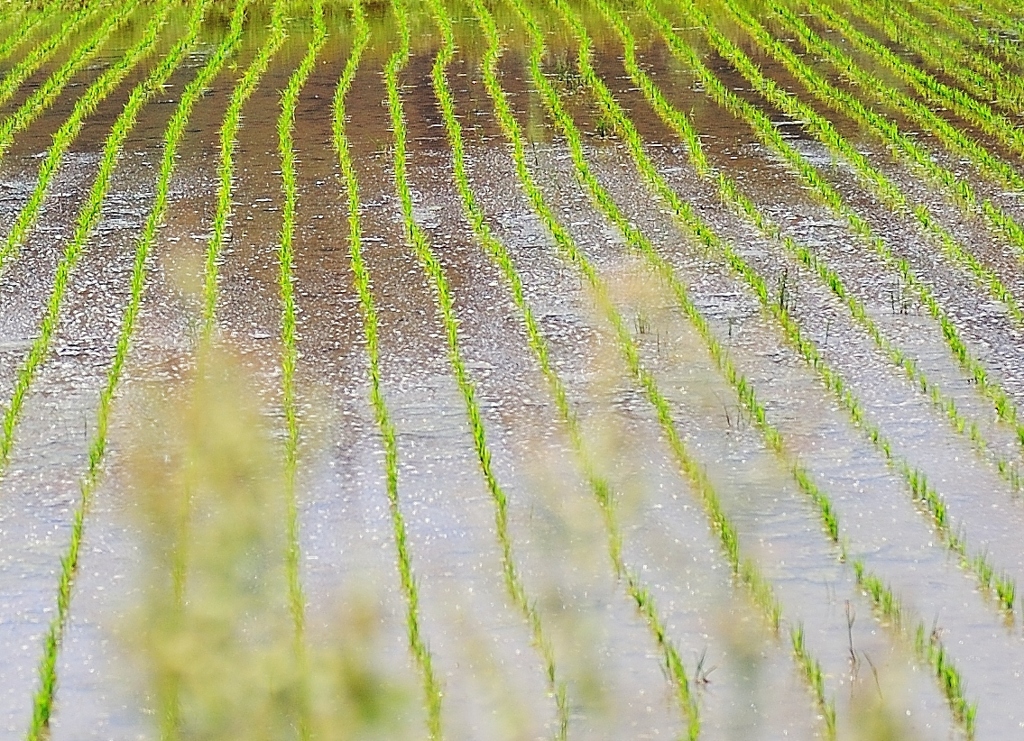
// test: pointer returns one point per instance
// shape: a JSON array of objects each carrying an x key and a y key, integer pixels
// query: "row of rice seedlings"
[
  {"x": 446, "y": 306},
  {"x": 243, "y": 90},
  {"x": 884, "y": 598},
  {"x": 91, "y": 210},
  {"x": 978, "y": 74},
  {"x": 768, "y": 134},
  {"x": 951, "y": 136},
  {"x": 47, "y": 93},
  {"x": 26, "y": 24},
  {"x": 635, "y": 588},
  {"x": 817, "y": 45},
  {"x": 953, "y": 18},
  {"x": 432, "y": 689},
  {"x": 882, "y": 185},
  {"x": 976, "y": 112},
  {"x": 743, "y": 569},
  {"x": 43, "y": 704},
  {"x": 289, "y": 353},
  {"x": 921, "y": 491},
  {"x": 499, "y": 255},
  {"x": 69, "y": 130},
  {"x": 39, "y": 54}
]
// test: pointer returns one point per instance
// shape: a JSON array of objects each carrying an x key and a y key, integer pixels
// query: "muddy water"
[{"x": 494, "y": 678}]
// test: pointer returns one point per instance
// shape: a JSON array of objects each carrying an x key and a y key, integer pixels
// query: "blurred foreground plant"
[{"x": 214, "y": 631}]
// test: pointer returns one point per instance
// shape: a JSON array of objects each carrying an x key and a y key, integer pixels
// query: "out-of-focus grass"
[{"x": 213, "y": 631}]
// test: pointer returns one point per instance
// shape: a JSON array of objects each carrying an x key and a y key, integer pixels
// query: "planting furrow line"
[
  {"x": 882, "y": 595},
  {"x": 768, "y": 134},
  {"x": 953, "y": 138},
  {"x": 816, "y": 45},
  {"x": 432, "y": 689},
  {"x": 635, "y": 588},
  {"x": 47, "y": 48},
  {"x": 445, "y": 302},
  {"x": 978, "y": 74},
  {"x": 289, "y": 353},
  {"x": 29, "y": 20},
  {"x": 953, "y": 17},
  {"x": 89, "y": 216},
  {"x": 884, "y": 129},
  {"x": 498, "y": 253},
  {"x": 936, "y": 93},
  {"x": 921, "y": 491},
  {"x": 52, "y": 87},
  {"x": 70, "y": 129},
  {"x": 243, "y": 90},
  {"x": 43, "y": 704}
]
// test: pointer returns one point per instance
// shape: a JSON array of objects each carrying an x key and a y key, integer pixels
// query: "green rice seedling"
[
  {"x": 830, "y": 197},
  {"x": 47, "y": 93},
  {"x": 979, "y": 74},
  {"x": 45, "y": 696},
  {"x": 432, "y": 689},
  {"x": 951, "y": 136},
  {"x": 883, "y": 186},
  {"x": 513, "y": 582},
  {"x": 29, "y": 19},
  {"x": 731, "y": 194},
  {"x": 89, "y": 216},
  {"x": 976, "y": 112},
  {"x": 630, "y": 578},
  {"x": 72, "y": 126},
  {"x": 246, "y": 86},
  {"x": 760, "y": 588},
  {"x": 289, "y": 353},
  {"x": 921, "y": 493},
  {"x": 32, "y": 61}
]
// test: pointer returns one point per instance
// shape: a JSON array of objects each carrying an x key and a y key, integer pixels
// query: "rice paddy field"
[{"x": 512, "y": 369}]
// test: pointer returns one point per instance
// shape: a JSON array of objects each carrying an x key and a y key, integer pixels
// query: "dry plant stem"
[
  {"x": 72, "y": 126},
  {"x": 52, "y": 87},
  {"x": 921, "y": 491},
  {"x": 761, "y": 591},
  {"x": 43, "y": 705},
  {"x": 226, "y": 168},
  {"x": 499, "y": 255},
  {"x": 90, "y": 213},
  {"x": 289, "y": 353},
  {"x": 880, "y": 184},
  {"x": 882, "y": 595},
  {"x": 371, "y": 329}
]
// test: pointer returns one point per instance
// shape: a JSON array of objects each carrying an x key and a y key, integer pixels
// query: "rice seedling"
[
  {"x": 51, "y": 89},
  {"x": 431, "y": 685},
  {"x": 882, "y": 185},
  {"x": 746, "y": 393},
  {"x": 976, "y": 112},
  {"x": 638, "y": 592},
  {"x": 11, "y": 81},
  {"x": 981, "y": 75},
  {"x": 289, "y": 354},
  {"x": 513, "y": 582},
  {"x": 90, "y": 213},
  {"x": 72, "y": 126},
  {"x": 246, "y": 86},
  {"x": 45, "y": 695},
  {"x": 24, "y": 26},
  {"x": 922, "y": 492}
]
